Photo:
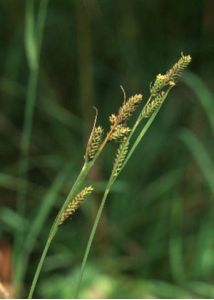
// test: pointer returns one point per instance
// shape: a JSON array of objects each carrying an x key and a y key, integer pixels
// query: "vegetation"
[{"x": 155, "y": 236}]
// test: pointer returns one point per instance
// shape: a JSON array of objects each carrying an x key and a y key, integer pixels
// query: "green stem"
[
  {"x": 139, "y": 138},
  {"x": 91, "y": 237},
  {"x": 109, "y": 185},
  {"x": 44, "y": 254},
  {"x": 85, "y": 169},
  {"x": 143, "y": 131},
  {"x": 100, "y": 210},
  {"x": 37, "y": 224}
]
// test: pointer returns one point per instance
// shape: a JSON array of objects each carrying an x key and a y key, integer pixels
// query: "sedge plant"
[{"x": 120, "y": 132}]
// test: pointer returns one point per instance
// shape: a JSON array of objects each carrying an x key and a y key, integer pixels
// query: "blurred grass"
[
  {"x": 156, "y": 235},
  {"x": 33, "y": 39}
]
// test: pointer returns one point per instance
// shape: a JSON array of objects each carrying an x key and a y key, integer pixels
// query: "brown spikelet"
[
  {"x": 119, "y": 132},
  {"x": 75, "y": 203},
  {"x": 94, "y": 142},
  {"x": 120, "y": 157},
  {"x": 112, "y": 118},
  {"x": 178, "y": 68},
  {"x": 129, "y": 107}
]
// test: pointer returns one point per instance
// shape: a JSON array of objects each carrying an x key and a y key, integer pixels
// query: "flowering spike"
[
  {"x": 112, "y": 118},
  {"x": 75, "y": 203},
  {"x": 94, "y": 143},
  {"x": 129, "y": 107},
  {"x": 120, "y": 157},
  {"x": 171, "y": 75},
  {"x": 119, "y": 132},
  {"x": 153, "y": 105}
]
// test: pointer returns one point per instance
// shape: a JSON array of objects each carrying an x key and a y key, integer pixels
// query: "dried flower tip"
[
  {"x": 129, "y": 107},
  {"x": 112, "y": 118},
  {"x": 153, "y": 105},
  {"x": 120, "y": 157},
  {"x": 75, "y": 203},
  {"x": 94, "y": 143},
  {"x": 119, "y": 132}
]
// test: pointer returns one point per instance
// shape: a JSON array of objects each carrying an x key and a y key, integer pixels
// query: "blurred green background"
[{"x": 156, "y": 237}]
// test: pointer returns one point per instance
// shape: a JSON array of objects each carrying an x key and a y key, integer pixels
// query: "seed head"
[
  {"x": 120, "y": 157},
  {"x": 94, "y": 142},
  {"x": 154, "y": 104},
  {"x": 112, "y": 118},
  {"x": 171, "y": 75},
  {"x": 75, "y": 203},
  {"x": 129, "y": 107},
  {"x": 119, "y": 132},
  {"x": 178, "y": 68}
]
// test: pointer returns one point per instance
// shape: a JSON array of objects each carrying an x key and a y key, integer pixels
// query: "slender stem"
[
  {"x": 138, "y": 121},
  {"x": 37, "y": 224},
  {"x": 100, "y": 210},
  {"x": 44, "y": 253},
  {"x": 108, "y": 188},
  {"x": 91, "y": 237},
  {"x": 139, "y": 138},
  {"x": 54, "y": 227},
  {"x": 143, "y": 131},
  {"x": 85, "y": 169}
]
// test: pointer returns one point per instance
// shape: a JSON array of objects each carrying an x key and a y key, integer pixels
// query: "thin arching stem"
[{"x": 106, "y": 193}]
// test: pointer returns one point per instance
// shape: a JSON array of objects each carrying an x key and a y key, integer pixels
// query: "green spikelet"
[
  {"x": 75, "y": 203},
  {"x": 120, "y": 132},
  {"x": 120, "y": 157},
  {"x": 94, "y": 143},
  {"x": 160, "y": 82},
  {"x": 129, "y": 107},
  {"x": 170, "y": 77},
  {"x": 151, "y": 106}
]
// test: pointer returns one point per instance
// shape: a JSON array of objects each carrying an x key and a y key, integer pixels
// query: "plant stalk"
[
  {"x": 109, "y": 185},
  {"x": 85, "y": 169},
  {"x": 92, "y": 234}
]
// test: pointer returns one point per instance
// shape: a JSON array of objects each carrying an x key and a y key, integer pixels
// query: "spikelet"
[
  {"x": 112, "y": 118},
  {"x": 118, "y": 126},
  {"x": 178, "y": 68},
  {"x": 94, "y": 142},
  {"x": 151, "y": 106},
  {"x": 75, "y": 203},
  {"x": 129, "y": 107},
  {"x": 120, "y": 157},
  {"x": 119, "y": 132},
  {"x": 160, "y": 82},
  {"x": 170, "y": 77}
]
